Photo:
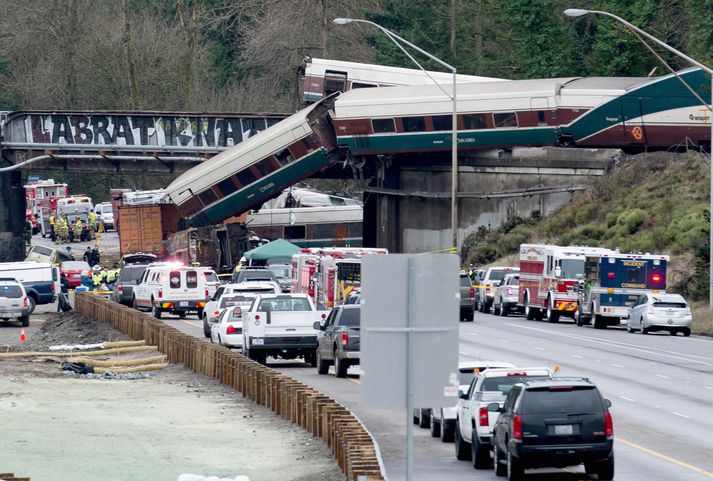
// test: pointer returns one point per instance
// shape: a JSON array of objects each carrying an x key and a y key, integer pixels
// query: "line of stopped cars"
[
  {"x": 510, "y": 419},
  {"x": 590, "y": 285}
]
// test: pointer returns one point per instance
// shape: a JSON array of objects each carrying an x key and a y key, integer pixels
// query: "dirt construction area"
[{"x": 153, "y": 426}]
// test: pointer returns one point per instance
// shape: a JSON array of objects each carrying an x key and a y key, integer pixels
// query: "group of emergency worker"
[{"x": 63, "y": 231}]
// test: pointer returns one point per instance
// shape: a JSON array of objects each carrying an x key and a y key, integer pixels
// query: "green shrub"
[
  {"x": 632, "y": 219},
  {"x": 611, "y": 219},
  {"x": 587, "y": 213}
]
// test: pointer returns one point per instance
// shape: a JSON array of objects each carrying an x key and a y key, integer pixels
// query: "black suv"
[{"x": 554, "y": 422}]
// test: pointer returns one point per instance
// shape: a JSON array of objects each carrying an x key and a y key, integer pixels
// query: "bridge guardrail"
[{"x": 350, "y": 442}]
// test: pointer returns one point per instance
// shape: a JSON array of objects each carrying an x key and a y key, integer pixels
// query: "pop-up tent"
[{"x": 277, "y": 249}]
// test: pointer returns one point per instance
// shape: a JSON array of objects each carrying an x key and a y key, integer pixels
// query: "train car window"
[
  {"x": 334, "y": 82},
  {"x": 264, "y": 167},
  {"x": 541, "y": 117},
  {"x": 381, "y": 126},
  {"x": 359, "y": 85},
  {"x": 246, "y": 177},
  {"x": 310, "y": 142},
  {"x": 553, "y": 114},
  {"x": 442, "y": 122},
  {"x": 474, "y": 122},
  {"x": 414, "y": 124},
  {"x": 505, "y": 119},
  {"x": 226, "y": 187},
  {"x": 284, "y": 157},
  {"x": 294, "y": 232},
  {"x": 207, "y": 197}
]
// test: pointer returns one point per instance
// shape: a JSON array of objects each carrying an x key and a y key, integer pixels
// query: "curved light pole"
[
  {"x": 454, "y": 128},
  {"x": 578, "y": 12}
]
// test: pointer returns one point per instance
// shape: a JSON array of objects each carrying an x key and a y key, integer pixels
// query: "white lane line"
[
  {"x": 680, "y": 415},
  {"x": 463, "y": 353},
  {"x": 615, "y": 365},
  {"x": 474, "y": 334},
  {"x": 627, "y": 398},
  {"x": 662, "y": 376},
  {"x": 538, "y": 348},
  {"x": 709, "y": 387},
  {"x": 622, "y": 345},
  {"x": 576, "y": 356}
]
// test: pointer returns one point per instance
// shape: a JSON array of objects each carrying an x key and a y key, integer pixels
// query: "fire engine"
[
  {"x": 328, "y": 275},
  {"x": 614, "y": 282},
  {"x": 41, "y": 198},
  {"x": 548, "y": 276}
]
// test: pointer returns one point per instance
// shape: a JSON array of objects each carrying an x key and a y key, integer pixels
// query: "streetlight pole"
[
  {"x": 454, "y": 127},
  {"x": 578, "y": 12}
]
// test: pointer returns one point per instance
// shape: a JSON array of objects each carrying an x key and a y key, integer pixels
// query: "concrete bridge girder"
[{"x": 413, "y": 215}]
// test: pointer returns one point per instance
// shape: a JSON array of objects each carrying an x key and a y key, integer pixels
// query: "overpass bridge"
[{"x": 407, "y": 196}]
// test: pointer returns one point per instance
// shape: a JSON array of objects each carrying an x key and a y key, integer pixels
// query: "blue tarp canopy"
[{"x": 277, "y": 249}]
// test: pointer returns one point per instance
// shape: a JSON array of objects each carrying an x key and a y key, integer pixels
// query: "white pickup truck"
[
  {"x": 474, "y": 423},
  {"x": 281, "y": 325}
]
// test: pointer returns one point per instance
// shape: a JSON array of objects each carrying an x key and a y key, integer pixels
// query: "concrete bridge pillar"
[
  {"x": 12, "y": 216},
  {"x": 381, "y": 226}
]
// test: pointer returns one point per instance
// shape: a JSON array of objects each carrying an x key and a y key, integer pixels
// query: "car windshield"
[
  {"x": 281, "y": 271},
  {"x": 584, "y": 399},
  {"x": 465, "y": 376},
  {"x": 45, "y": 251},
  {"x": 228, "y": 301},
  {"x": 464, "y": 281},
  {"x": 284, "y": 304},
  {"x": 263, "y": 275},
  {"x": 505, "y": 383},
  {"x": 572, "y": 268},
  {"x": 498, "y": 274},
  {"x": 13, "y": 291},
  {"x": 258, "y": 290},
  {"x": 350, "y": 317},
  {"x": 670, "y": 305},
  {"x": 75, "y": 266},
  {"x": 211, "y": 276},
  {"x": 131, "y": 274}
]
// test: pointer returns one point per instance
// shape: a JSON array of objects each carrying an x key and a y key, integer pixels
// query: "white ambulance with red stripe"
[{"x": 548, "y": 276}]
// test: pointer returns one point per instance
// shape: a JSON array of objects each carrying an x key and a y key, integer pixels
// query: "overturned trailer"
[{"x": 220, "y": 246}]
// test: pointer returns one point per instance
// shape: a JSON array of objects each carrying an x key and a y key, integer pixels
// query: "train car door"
[
  {"x": 633, "y": 131},
  {"x": 540, "y": 106}
]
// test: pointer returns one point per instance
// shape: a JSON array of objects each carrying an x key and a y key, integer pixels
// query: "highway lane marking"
[
  {"x": 709, "y": 387},
  {"x": 576, "y": 356},
  {"x": 663, "y": 457},
  {"x": 538, "y": 348},
  {"x": 627, "y": 398},
  {"x": 622, "y": 345},
  {"x": 192, "y": 323},
  {"x": 355, "y": 381},
  {"x": 473, "y": 334},
  {"x": 680, "y": 415},
  {"x": 661, "y": 375},
  {"x": 615, "y": 365}
]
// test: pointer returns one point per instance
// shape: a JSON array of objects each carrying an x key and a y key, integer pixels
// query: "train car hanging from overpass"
[
  {"x": 620, "y": 112},
  {"x": 257, "y": 169}
]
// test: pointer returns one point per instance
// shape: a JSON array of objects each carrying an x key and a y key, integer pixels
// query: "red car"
[{"x": 73, "y": 270}]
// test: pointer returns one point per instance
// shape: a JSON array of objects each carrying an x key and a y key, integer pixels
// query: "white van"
[
  {"x": 49, "y": 255},
  {"x": 174, "y": 288},
  {"x": 105, "y": 215},
  {"x": 40, "y": 280},
  {"x": 75, "y": 206}
]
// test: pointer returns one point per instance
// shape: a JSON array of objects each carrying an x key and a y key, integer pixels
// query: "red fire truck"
[
  {"x": 41, "y": 198},
  {"x": 329, "y": 274},
  {"x": 548, "y": 275}
]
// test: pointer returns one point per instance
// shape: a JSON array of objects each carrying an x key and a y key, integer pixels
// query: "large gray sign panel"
[{"x": 417, "y": 296}]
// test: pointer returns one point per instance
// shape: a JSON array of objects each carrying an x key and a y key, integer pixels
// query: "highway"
[{"x": 661, "y": 388}]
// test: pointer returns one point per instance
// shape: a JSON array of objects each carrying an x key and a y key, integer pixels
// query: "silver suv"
[
  {"x": 14, "y": 303},
  {"x": 467, "y": 298},
  {"x": 485, "y": 292}
]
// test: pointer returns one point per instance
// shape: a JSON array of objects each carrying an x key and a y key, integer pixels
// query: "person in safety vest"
[
  {"x": 112, "y": 274},
  {"x": 77, "y": 230},
  {"x": 53, "y": 234},
  {"x": 98, "y": 276},
  {"x": 92, "y": 224},
  {"x": 63, "y": 227}
]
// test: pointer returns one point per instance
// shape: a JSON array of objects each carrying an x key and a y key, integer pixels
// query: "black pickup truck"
[{"x": 338, "y": 340}]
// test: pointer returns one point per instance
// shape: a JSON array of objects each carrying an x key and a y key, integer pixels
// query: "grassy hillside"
[{"x": 656, "y": 203}]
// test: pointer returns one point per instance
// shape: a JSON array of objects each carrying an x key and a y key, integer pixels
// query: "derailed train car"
[
  {"x": 257, "y": 169},
  {"x": 628, "y": 113}
]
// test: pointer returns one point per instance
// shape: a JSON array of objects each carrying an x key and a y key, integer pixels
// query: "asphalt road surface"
[{"x": 661, "y": 388}]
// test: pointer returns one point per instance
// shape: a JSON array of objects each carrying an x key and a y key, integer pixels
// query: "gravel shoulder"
[{"x": 58, "y": 427}]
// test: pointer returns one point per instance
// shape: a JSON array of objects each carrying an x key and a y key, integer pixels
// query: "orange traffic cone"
[{"x": 22, "y": 335}]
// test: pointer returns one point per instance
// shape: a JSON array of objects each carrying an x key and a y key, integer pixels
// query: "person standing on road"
[
  {"x": 53, "y": 234},
  {"x": 88, "y": 256},
  {"x": 95, "y": 257},
  {"x": 63, "y": 299},
  {"x": 28, "y": 231},
  {"x": 92, "y": 224},
  {"x": 77, "y": 230}
]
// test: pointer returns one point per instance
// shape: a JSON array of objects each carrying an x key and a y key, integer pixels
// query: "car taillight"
[
  {"x": 206, "y": 292},
  {"x": 509, "y": 290},
  {"x": 52, "y": 287},
  {"x": 216, "y": 314},
  {"x": 26, "y": 302},
  {"x": 656, "y": 278},
  {"x": 517, "y": 426},
  {"x": 472, "y": 293},
  {"x": 119, "y": 288},
  {"x": 160, "y": 293},
  {"x": 608, "y": 425},
  {"x": 345, "y": 338},
  {"x": 483, "y": 416},
  {"x": 487, "y": 288},
  {"x": 230, "y": 329}
]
